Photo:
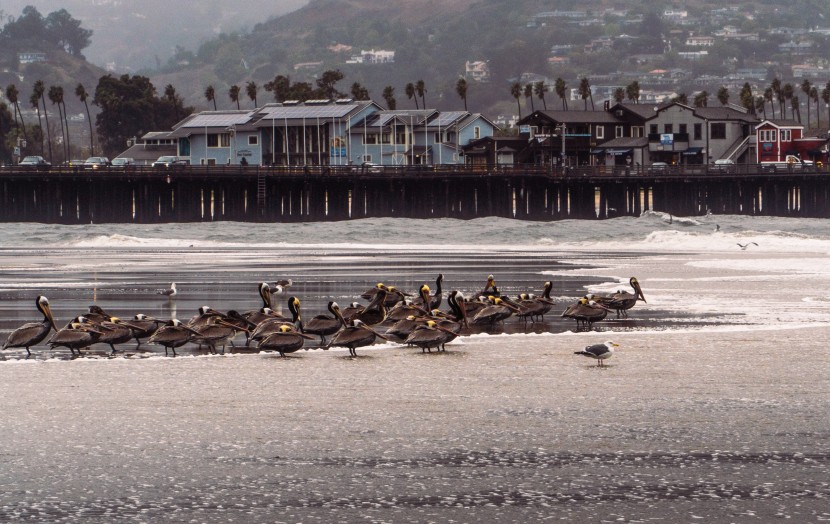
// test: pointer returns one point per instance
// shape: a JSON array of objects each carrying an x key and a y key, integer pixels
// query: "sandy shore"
[{"x": 724, "y": 421}]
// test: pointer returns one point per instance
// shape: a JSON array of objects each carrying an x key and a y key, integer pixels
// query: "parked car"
[
  {"x": 122, "y": 162},
  {"x": 170, "y": 161},
  {"x": 37, "y": 162},
  {"x": 658, "y": 167},
  {"x": 96, "y": 162},
  {"x": 369, "y": 167},
  {"x": 724, "y": 165}
]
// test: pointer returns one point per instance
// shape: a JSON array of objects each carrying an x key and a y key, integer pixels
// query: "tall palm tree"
[
  {"x": 806, "y": 86},
  {"x": 761, "y": 105},
  {"x": 461, "y": 89},
  {"x": 561, "y": 89},
  {"x": 210, "y": 96},
  {"x": 410, "y": 92},
  {"x": 34, "y": 102},
  {"x": 39, "y": 89},
  {"x": 825, "y": 95},
  {"x": 632, "y": 91},
  {"x": 389, "y": 97},
  {"x": 585, "y": 92},
  {"x": 80, "y": 92},
  {"x": 56, "y": 97},
  {"x": 171, "y": 96},
  {"x": 233, "y": 94},
  {"x": 814, "y": 96},
  {"x": 619, "y": 95},
  {"x": 528, "y": 92},
  {"x": 540, "y": 88},
  {"x": 516, "y": 92},
  {"x": 723, "y": 95},
  {"x": 251, "y": 89},
  {"x": 796, "y": 106},
  {"x": 769, "y": 96},
  {"x": 788, "y": 92},
  {"x": 421, "y": 89},
  {"x": 775, "y": 85},
  {"x": 701, "y": 99},
  {"x": 13, "y": 96}
]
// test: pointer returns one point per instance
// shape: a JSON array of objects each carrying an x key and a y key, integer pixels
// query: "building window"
[
  {"x": 682, "y": 129},
  {"x": 437, "y": 138},
  {"x": 652, "y": 129},
  {"x": 718, "y": 131},
  {"x": 476, "y": 132},
  {"x": 668, "y": 129},
  {"x": 253, "y": 140},
  {"x": 619, "y": 131},
  {"x": 600, "y": 132},
  {"x": 698, "y": 131},
  {"x": 367, "y": 158},
  {"x": 786, "y": 135},
  {"x": 637, "y": 131},
  {"x": 768, "y": 135},
  {"x": 372, "y": 138},
  {"x": 219, "y": 140}
]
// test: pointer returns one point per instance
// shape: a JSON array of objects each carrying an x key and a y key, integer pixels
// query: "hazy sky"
[{"x": 137, "y": 33}]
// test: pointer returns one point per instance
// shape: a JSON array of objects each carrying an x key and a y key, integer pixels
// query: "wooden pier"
[{"x": 310, "y": 194}]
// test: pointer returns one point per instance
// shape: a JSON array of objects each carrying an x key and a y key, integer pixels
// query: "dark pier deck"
[{"x": 252, "y": 194}]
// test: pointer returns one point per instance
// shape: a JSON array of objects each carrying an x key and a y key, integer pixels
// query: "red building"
[{"x": 779, "y": 138}]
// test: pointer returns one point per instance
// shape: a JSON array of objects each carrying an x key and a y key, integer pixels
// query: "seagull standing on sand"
[
  {"x": 599, "y": 351},
  {"x": 744, "y": 246},
  {"x": 170, "y": 293}
]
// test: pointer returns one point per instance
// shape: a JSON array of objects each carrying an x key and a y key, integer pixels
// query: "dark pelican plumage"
[
  {"x": 114, "y": 331},
  {"x": 144, "y": 327},
  {"x": 353, "y": 309},
  {"x": 490, "y": 288},
  {"x": 204, "y": 316},
  {"x": 217, "y": 331},
  {"x": 433, "y": 301},
  {"x": 404, "y": 327},
  {"x": 324, "y": 325},
  {"x": 599, "y": 351},
  {"x": 458, "y": 306},
  {"x": 272, "y": 320},
  {"x": 169, "y": 292},
  {"x": 586, "y": 312},
  {"x": 280, "y": 285},
  {"x": 498, "y": 310},
  {"x": 172, "y": 335},
  {"x": 356, "y": 335},
  {"x": 256, "y": 316},
  {"x": 285, "y": 340},
  {"x": 375, "y": 312},
  {"x": 393, "y": 295},
  {"x": 78, "y": 334},
  {"x": 32, "y": 333},
  {"x": 405, "y": 309},
  {"x": 430, "y": 335},
  {"x": 622, "y": 301},
  {"x": 534, "y": 307}
]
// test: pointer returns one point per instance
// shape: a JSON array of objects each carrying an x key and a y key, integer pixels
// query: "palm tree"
[
  {"x": 251, "y": 90},
  {"x": 516, "y": 92},
  {"x": 723, "y": 95},
  {"x": 80, "y": 92},
  {"x": 585, "y": 92},
  {"x": 701, "y": 99},
  {"x": 461, "y": 89},
  {"x": 389, "y": 97},
  {"x": 769, "y": 96},
  {"x": 410, "y": 92},
  {"x": 795, "y": 103},
  {"x": 825, "y": 95},
  {"x": 814, "y": 96},
  {"x": 761, "y": 105},
  {"x": 12, "y": 94},
  {"x": 540, "y": 88},
  {"x": 806, "y": 86},
  {"x": 747, "y": 98},
  {"x": 561, "y": 89},
  {"x": 210, "y": 96},
  {"x": 528, "y": 92},
  {"x": 421, "y": 89},
  {"x": 775, "y": 85},
  {"x": 34, "y": 102},
  {"x": 56, "y": 97},
  {"x": 172, "y": 97},
  {"x": 682, "y": 98},
  {"x": 788, "y": 92},
  {"x": 39, "y": 89},
  {"x": 233, "y": 93},
  {"x": 632, "y": 91},
  {"x": 619, "y": 95}
]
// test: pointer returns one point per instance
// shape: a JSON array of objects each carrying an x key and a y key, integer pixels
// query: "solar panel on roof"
[
  {"x": 219, "y": 120},
  {"x": 296, "y": 112},
  {"x": 448, "y": 118}
]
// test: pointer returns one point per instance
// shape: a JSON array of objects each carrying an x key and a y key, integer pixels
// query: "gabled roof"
[
  {"x": 644, "y": 111},
  {"x": 572, "y": 117},
  {"x": 725, "y": 113},
  {"x": 779, "y": 123}
]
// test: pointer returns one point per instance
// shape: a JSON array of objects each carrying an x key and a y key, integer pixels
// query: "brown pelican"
[
  {"x": 205, "y": 314},
  {"x": 490, "y": 288},
  {"x": 599, "y": 351},
  {"x": 433, "y": 301},
  {"x": 586, "y": 312},
  {"x": 114, "y": 331},
  {"x": 217, "y": 331},
  {"x": 271, "y": 321},
  {"x": 534, "y": 307},
  {"x": 96, "y": 314},
  {"x": 403, "y": 328},
  {"x": 280, "y": 285},
  {"x": 393, "y": 295},
  {"x": 78, "y": 334},
  {"x": 285, "y": 340},
  {"x": 430, "y": 335},
  {"x": 354, "y": 309},
  {"x": 323, "y": 325},
  {"x": 473, "y": 307},
  {"x": 458, "y": 306},
  {"x": 265, "y": 294},
  {"x": 354, "y": 336},
  {"x": 405, "y": 309},
  {"x": 170, "y": 292},
  {"x": 32, "y": 333},
  {"x": 622, "y": 301},
  {"x": 498, "y": 310},
  {"x": 144, "y": 327},
  {"x": 375, "y": 312},
  {"x": 172, "y": 335}
]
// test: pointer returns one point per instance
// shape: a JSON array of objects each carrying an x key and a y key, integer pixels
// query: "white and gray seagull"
[
  {"x": 744, "y": 246},
  {"x": 599, "y": 352},
  {"x": 168, "y": 292}
]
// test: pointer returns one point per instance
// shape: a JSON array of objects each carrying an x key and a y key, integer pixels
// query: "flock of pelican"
[{"x": 390, "y": 315}]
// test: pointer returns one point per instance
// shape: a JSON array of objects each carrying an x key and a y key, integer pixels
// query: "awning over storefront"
[
  {"x": 618, "y": 152},
  {"x": 693, "y": 151}
]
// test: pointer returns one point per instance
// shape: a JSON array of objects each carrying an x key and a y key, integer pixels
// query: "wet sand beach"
[{"x": 713, "y": 408}]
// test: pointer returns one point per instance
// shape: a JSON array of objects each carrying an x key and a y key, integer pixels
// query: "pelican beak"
[
  {"x": 640, "y": 295},
  {"x": 47, "y": 309}
]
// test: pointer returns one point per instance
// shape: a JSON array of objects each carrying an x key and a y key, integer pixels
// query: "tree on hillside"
[
  {"x": 251, "y": 90},
  {"x": 702, "y": 99},
  {"x": 233, "y": 94},
  {"x": 130, "y": 108},
  {"x": 410, "y": 92},
  {"x": 540, "y": 88},
  {"x": 56, "y": 97},
  {"x": 5, "y": 129},
  {"x": 39, "y": 90},
  {"x": 359, "y": 92},
  {"x": 280, "y": 86},
  {"x": 528, "y": 92},
  {"x": 516, "y": 92},
  {"x": 421, "y": 90},
  {"x": 12, "y": 95},
  {"x": 461, "y": 89},
  {"x": 825, "y": 95},
  {"x": 723, "y": 95},
  {"x": 632, "y": 91},
  {"x": 80, "y": 92},
  {"x": 682, "y": 98},
  {"x": 210, "y": 95},
  {"x": 806, "y": 86},
  {"x": 561, "y": 89},
  {"x": 585, "y": 92},
  {"x": 67, "y": 33},
  {"x": 389, "y": 97}
]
